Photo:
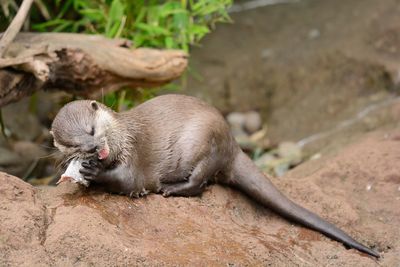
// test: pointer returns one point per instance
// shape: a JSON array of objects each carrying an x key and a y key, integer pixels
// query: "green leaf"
[
  {"x": 64, "y": 9},
  {"x": 153, "y": 15},
  {"x": 48, "y": 24},
  {"x": 110, "y": 99},
  {"x": 171, "y": 8},
  {"x": 138, "y": 40},
  {"x": 152, "y": 29},
  {"x": 116, "y": 10},
  {"x": 114, "y": 17},
  {"x": 181, "y": 20},
  {"x": 199, "y": 29},
  {"x": 63, "y": 26},
  {"x": 114, "y": 29},
  {"x": 141, "y": 15},
  {"x": 169, "y": 42},
  {"x": 93, "y": 14},
  {"x": 197, "y": 32}
]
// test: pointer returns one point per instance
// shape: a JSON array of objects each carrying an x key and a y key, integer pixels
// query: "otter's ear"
[{"x": 94, "y": 105}]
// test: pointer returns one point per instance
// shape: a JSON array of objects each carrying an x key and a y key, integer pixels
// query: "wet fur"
[{"x": 172, "y": 144}]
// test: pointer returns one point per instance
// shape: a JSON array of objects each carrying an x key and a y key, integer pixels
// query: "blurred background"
[{"x": 295, "y": 79}]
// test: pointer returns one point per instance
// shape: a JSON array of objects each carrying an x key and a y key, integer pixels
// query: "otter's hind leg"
[
  {"x": 176, "y": 177},
  {"x": 193, "y": 185}
]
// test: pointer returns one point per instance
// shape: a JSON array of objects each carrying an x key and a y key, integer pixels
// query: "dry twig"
[{"x": 15, "y": 26}]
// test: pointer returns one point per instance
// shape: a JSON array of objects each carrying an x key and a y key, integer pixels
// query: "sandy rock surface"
[{"x": 358, "y": 189}]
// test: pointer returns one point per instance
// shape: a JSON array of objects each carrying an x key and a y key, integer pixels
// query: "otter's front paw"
[{"x": 91, "y": 169}]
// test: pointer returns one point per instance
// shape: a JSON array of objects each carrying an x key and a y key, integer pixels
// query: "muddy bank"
[
  {"x": 307, "y": 66},
  {"x": 358, "y": 189}
]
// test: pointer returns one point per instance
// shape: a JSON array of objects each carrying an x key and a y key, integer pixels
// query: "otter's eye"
[
  {"x": 92, "y": 150},
  {"x": 92, "y": 131}
]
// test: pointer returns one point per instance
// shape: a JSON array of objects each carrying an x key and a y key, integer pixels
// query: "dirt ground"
[{"x": 358, "y": 190}]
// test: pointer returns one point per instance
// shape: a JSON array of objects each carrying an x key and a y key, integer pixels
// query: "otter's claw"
[{"x": 90, "y": 169}]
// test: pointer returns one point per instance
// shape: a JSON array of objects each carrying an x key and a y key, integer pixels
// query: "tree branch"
[
  {"x": 82, "y": 64},
  {"x": 14, "y": 27}
]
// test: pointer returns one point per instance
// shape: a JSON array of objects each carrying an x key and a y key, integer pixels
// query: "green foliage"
[
  {"x": 161, "y": 24},
  {"x": 152, "y": 23}
]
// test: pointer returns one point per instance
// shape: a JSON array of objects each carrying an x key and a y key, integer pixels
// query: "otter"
[{"x": 174, "y": 145}]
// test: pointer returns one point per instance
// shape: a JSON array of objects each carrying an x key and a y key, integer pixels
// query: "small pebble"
[
  {"x": 281, "y": 169},
  {"x": 314, "y": 34},
  {"x": 316, "y": 156},
  {"x": 368, "y": 187},
  {"x": 266, "y": 53},
  {"x": 265, "y": 160},
  {"x": 236, "y": 119},
  {"x": 252, "y": 122},
  {"x": 238, "y": 132},
  {"x": 291, "y": 152}
]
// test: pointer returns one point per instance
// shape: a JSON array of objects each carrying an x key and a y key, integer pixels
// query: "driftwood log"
[{"x": 82, "y": 64}]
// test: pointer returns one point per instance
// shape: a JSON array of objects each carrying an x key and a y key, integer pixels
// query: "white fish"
[{"x": 72, "y": 174}]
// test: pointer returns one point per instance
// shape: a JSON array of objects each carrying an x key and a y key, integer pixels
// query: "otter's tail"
[{"x": 249, "y": 179}]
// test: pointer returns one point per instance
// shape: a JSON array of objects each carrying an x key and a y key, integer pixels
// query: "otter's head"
[{"x": 82, "y": 128}]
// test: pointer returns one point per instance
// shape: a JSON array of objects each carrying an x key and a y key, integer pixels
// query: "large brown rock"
[{"x": 358, "y": 189}]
